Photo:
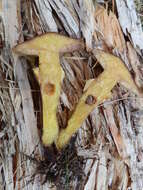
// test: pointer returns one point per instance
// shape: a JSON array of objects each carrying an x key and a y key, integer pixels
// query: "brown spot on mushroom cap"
[{"x": 49, "y": 88}]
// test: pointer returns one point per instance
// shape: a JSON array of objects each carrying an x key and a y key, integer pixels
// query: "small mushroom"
[
  {"x": 49, "y": 74},
  {"x": 114, "y": 72}
]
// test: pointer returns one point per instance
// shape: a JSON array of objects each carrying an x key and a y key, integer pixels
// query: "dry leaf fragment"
[
  {"x": 109, "y": 30},
  {"x": 50, "y": 75},
  {"x": 121, "y": 148},
  {"x": 100, "y": 88}
]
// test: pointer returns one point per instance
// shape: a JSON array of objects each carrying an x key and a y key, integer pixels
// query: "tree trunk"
[{"x": 110, "y": 139}]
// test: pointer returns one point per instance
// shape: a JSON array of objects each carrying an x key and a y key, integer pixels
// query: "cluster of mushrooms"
[{"x": 50, "y": 75}]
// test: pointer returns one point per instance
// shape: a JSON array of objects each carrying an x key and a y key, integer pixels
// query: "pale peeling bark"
[
  {"x": 111, "y": 137},
  {"x": 130, "y": 22}
]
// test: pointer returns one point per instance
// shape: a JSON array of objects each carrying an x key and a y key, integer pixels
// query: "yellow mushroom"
[
  {"x": 96, "y": 92},
  {"x": 50, "y": 75}
]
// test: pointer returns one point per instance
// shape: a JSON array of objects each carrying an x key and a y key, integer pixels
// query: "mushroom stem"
[
  {"x": 100, "y": 89},
  {"x": 51, "y": 76}
]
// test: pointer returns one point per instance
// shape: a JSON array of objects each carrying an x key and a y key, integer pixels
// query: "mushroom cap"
[
  {"x": 116, "y": 69},
  {"x": 51, "y": 42}
]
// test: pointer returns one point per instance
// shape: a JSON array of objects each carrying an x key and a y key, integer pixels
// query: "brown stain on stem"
[{"x": 49, "y": 88}]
